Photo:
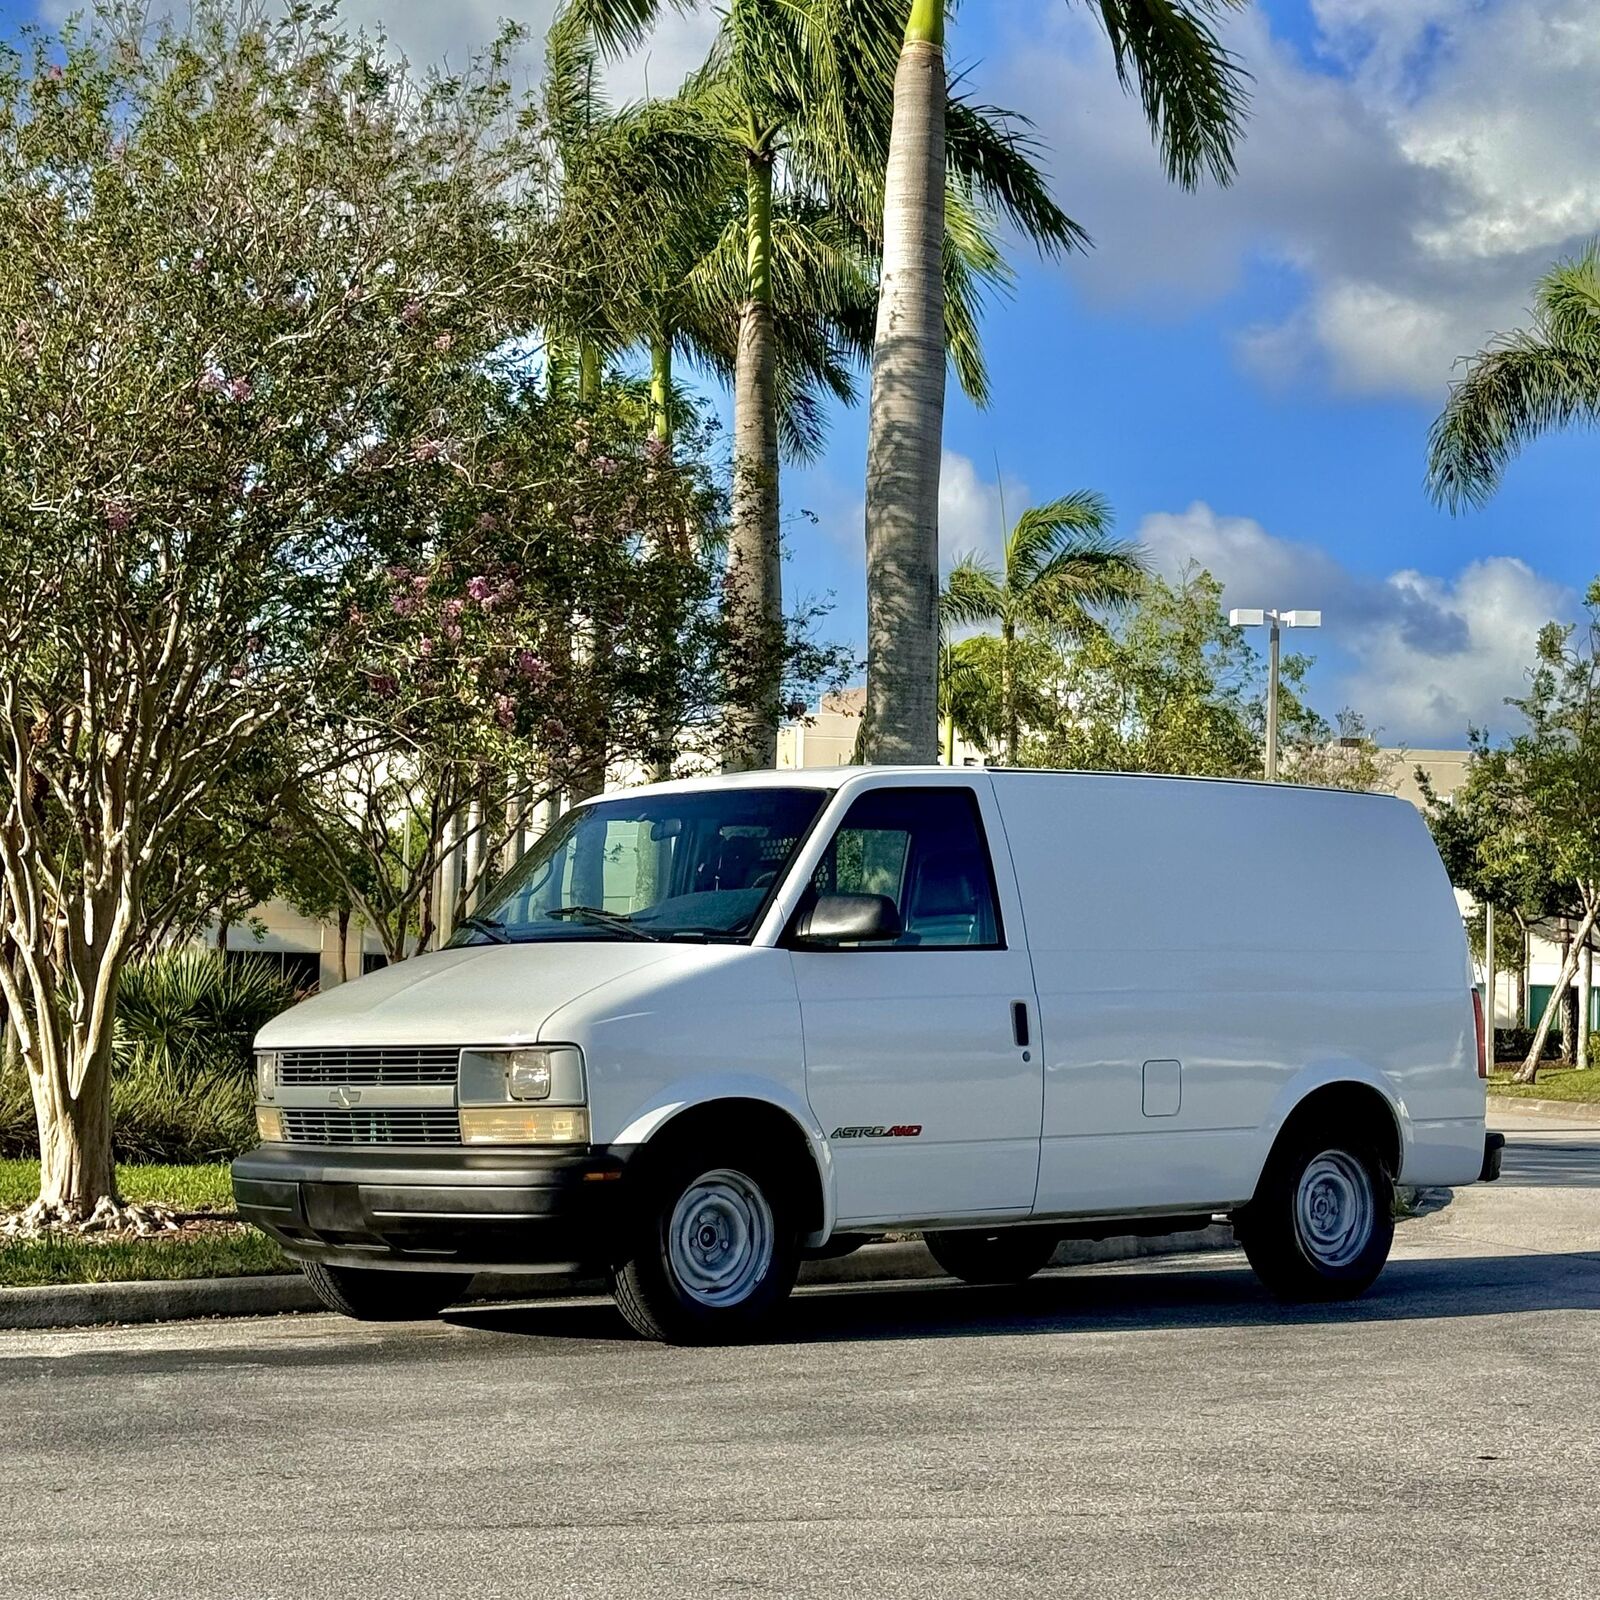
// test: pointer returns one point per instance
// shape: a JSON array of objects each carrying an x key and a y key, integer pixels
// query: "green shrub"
[
  {"x": 1512, "y": 1044},
  {"x": 182, "y": 1086}
]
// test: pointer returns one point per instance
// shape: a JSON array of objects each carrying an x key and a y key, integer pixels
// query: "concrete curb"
[
  {"x": 1559, "y": 1110},
  {"x": 81, "y": 1305}
]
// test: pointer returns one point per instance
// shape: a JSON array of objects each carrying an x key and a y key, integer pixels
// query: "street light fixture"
[{"x": 1276, "y": 620}]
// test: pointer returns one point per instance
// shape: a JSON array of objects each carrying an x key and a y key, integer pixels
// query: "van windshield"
[{"x": 692, "y": 865}]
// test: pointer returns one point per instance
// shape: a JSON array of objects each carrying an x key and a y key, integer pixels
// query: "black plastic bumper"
[
  {"x": 1494, "y": 1145},
  {"x": 427, "y": 1210}
]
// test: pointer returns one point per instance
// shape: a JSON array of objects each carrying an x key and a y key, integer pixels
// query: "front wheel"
[
  {"x": 371, "y": 1296},
  {"x": 1003, "y": 1255},
  {"x": 1322, "y": 1221},
  {"x": 713, "y": 1255}
]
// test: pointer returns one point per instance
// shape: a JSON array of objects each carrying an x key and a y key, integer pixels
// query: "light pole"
[{"x": 1277, "y": 620}]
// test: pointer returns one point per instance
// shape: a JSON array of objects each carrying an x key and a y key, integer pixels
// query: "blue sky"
[{"x": 1249, "y": 375}]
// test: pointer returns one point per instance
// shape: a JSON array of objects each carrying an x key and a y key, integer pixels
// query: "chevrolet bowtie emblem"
[{"x": 345, "y": 1097}]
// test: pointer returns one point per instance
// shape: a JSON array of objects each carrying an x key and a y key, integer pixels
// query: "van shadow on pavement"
[{"x": 1068, "y": 1303}]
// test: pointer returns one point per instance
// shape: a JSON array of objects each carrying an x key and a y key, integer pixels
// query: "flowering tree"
[
  {"x": 472, "y": 690},
  {"x": 240, "y": 259}
]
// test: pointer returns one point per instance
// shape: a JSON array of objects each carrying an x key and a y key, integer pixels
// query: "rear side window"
[{"x": 924, "y": 849}]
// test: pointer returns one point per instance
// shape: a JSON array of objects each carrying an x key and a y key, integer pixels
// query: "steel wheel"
[
  {"x": 720, "y": 1239},
  {"x": 1334, "y": 1209}
]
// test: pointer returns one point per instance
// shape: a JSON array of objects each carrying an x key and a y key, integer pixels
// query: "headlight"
[
  {"x": 551, "y": 1074},
  {"x": 524, "y": 1125},
  {"x": 269, "y": 1124},
  {"x": 266, "y": 1074}
]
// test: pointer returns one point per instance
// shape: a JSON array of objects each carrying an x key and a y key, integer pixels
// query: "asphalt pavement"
[{"x": 1150, "y": 1430}]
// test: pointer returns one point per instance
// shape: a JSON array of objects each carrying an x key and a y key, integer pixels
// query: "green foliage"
[
  {"x": 1513, "y": 1044},
  {"x": 1524, "y": 384},
  {"x": 196, "y": 1011},
  {"x": 182, "y": 1088}
]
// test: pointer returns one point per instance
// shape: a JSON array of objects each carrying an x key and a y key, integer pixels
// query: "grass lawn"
[
  {"x": 206, "y": 1249},
  {"x": 1554, "y": 1083}
]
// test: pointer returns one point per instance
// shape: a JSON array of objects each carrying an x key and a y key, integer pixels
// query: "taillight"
[{"x": 1483, "y": 1043}]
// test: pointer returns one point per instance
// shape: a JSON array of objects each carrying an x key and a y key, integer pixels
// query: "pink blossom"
[
  {"x": 240, "y": 390},
  {"x": 118, "y": 516},
  {"x": 212, "y": 381},
  {"x": 452, "y": 632},
  {"x": 384, "y": 685},
  {"x": 444, "y": 341},
  {"x": 54, "y": 74},
  {"x": 488, "y": 522},
  {"x": 405, "y": 605},
  {"x": 453, "y": 609},
  {"x": 606, "y": 466},
  {"x": 531, "y": 667},
  {"x": 411, "y": 313},
  {"x": 425, "y": 648},
  {"x": 397, "y": 573},
  {"x": 505, "y": 711},
  {"x": 479, "y": 589},
  {"x": 657, "y": 449}
]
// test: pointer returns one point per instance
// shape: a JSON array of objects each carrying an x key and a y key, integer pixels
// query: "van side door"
[{"x": 922, "y": 1055}]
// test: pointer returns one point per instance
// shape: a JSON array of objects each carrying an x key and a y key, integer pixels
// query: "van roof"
[{"x": 835, "y": 777}]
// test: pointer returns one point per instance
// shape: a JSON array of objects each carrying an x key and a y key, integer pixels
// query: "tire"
[
  {"x": 1003, "y": 1255},
  {"x": 712, "y": 1253},
  {"x": 1322, "y": 1221},
  {"x": 376, "y": 1296}
]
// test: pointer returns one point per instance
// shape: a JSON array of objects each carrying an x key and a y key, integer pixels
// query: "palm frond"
[
  {"x": 1520, "y": 387},
  {"x": 619, "y": 25},
  {"x": 1568, "y": 301},
  {"x": 1192, "y": 88},
  {"x": 988, "y": 149},
  {"x": 973, "y": 594},
  {"x": 1043, "y": 533}
]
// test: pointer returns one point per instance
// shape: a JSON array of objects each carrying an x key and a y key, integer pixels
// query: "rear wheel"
[
  {"x": 370, "y": 1296},
  {"x": 712, "y": 1256},
  {"x": 1322, "y": 1221},
  {"x": 1003, "y": 1255}
]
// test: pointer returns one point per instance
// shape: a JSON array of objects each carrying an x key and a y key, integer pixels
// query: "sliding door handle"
[{"x": 1019, "y": 1023}]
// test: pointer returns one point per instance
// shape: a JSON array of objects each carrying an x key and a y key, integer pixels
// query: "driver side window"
[{"x": 924, "y": 850}]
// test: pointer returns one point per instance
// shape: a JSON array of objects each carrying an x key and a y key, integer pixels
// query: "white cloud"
[
  {"x": 975, "y": 512},
  {"x": 1427, "y": 656},
  {"x": 1419, "y": 172}
]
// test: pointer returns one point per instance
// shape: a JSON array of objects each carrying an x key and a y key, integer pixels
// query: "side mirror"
[{"x": 849, "y": 919}]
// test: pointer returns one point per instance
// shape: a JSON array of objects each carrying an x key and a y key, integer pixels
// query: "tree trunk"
[
  {"x": 661, "y": 391},
  {"x": 588, "y": 372},
  {"x": 344, "y": 945},
  {"x": 1529, "y": 1070},
  {"x": 76, "y": 1169},
  {"x": 755, "y": 571},
  {"x": 1008, "y": 691},
  {"x": 1585, "y": 987},
  {"x": 906, "y": 429}
]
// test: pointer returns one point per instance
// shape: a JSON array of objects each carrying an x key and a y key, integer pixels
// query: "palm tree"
[
  {"x": 1192, "y": 92},
  {"x": 803, "y": 89},
  {"x": 1523, "y": 385},
  {"x": 1059, "y": 565}
]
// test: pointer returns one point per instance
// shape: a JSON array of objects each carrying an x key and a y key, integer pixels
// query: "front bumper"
[{"x": 502, "y": 1210}]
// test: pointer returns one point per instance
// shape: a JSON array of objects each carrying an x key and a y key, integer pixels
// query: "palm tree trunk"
[
  {"x": 1008, "y": 691},
  {"x": 906, "y": 430},
  {"x": 755, "y": 573},
  {"x": 661, "y": 391},
  {"x": 588, "y": 371}
]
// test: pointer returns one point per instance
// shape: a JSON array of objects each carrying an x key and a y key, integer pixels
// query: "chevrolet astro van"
[{"x": 705, "y": 1029}]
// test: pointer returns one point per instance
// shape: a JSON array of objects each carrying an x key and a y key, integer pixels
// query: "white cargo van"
[{"x": 706, "y": 1028}]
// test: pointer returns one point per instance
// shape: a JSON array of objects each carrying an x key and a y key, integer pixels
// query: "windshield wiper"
[
  {"x": 605, "y": 919},
  {"x": 490, "y": 927}
]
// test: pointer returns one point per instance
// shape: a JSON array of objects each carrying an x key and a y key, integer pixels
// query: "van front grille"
[
  {"x": 385, "y": 1066},
  {"x": 377, "y": 1126}
]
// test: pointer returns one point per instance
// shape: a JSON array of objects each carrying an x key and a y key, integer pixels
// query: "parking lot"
[{"x": 1155, "y": 1429}]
